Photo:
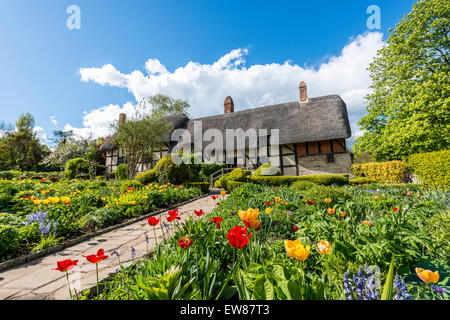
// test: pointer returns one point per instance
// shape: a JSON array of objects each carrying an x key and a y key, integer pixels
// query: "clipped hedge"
[
  {"x": 73, "y": 166},
  {"x": 383, "y": 172},
  {"x": 257, "y": 172},
  {"x": 203, "y": 186},
  {"x": 323, "y": 179},
  {"x": 361, "y": 180},
  {"x": 432, "y": 168},
  {"x": 231, "y": 185},
  {"x": 147, "y": 177}
]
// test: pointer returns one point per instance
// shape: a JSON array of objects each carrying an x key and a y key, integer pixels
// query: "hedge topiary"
[
  {"x": 324, "y": 179},
  {"x": 432, "y": 168},
  {"x": 303, "y": 185},
  {"x": 9, "y": 239},
  {"x": 231, "y": 184},
  {"x": 72, "y": 166},
  {"x": 147, "y": 177},
  {"x": 384, "y": 172},
  {"x": 267, "y": 169},
  {"x": 361, "y": 180},
  {"x": 203, "y": 186}
]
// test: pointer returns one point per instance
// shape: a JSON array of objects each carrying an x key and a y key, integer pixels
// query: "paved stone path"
[{"x": 36, "y": 281}]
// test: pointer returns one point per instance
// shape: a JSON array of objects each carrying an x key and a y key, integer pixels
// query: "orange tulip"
[
  {"x": 367, "y": 223},
  {"x": 427, "y": 276},
  {"x": 331, "y": 210},
  {"x": 342, "y": 214},
  {"x": 295, "y": 249},
  {"x": 277, "y": 199},
  {"x": 327, "y": 200}
]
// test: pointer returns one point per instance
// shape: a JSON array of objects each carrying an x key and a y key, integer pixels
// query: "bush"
[
  {"x": 147, "y": 177},
  {"x": 9, "y": 239},
  {"x": 269, "y": 169},
  {"x": 72, "y": 167},
  {"x": 237, "y": 175},
  {"x": 121, "y": 171},
  {"x": 303, "y": 185},
  {"x": 10, "y": 174},
  {"x": 231, "y": 184},
  {"x": 361, "y": 180},
  {"x": 383, "y": 172},
  {"x": 319, "y": 193},
  {"x": 324, "y": 179},
  {"x": 432, "y": 168},
  {"x": 203, "y": 186},
  {"x": 207, "y": 169},
  {"x": 135, "y": 184}
]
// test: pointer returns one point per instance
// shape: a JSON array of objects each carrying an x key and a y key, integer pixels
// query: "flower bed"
[
  {"x": 38, "y": 214},
  {"x": 275, "y": 243}
]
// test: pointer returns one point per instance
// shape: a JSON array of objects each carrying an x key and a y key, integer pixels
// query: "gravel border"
[{"x": 29, "y": 257}]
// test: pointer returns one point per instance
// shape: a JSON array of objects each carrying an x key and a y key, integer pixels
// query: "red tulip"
[
  {"x": 96, "y": 258},
  {"x": 185, "y": 242},
  {"x": 268, "y": 203},
  {"x": 276, "y": 188},
  {"x": 173, "y": 214},
  {"x": 65, "y": 265},
  {"x": 403, "y": 194},
  {"x": 217, "y": 221},
  {"x": 153, "y": 221},
  {"x": 214, "y": 197},
  {"x": 237, "y": 237},
  {"x": 295, "y": 228},
  {"x": 198, "y": 213},
  {"x": 395, "y": 209},
  {"x": 309, "y": 202}
]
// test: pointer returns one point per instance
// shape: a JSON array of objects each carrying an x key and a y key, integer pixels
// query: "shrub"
[
  {"x": 72, "y": 167},
  {"x": 219, "y": 182},
  {"x": 167, "y": 171},
  {"x": 237, "y": 175},
  {"x": 9, "y": 239},
  {"x": 319, "y": 193},
  {"x": 302, "y": 185},
  {"x": 384, "y": 172},
  {"x": 203, "y": 186},
  {"x": 10, "y": 174},
  {"x": 130, "y": 184},
  {"x": 268, "y": 169},
  {"x": 147, "y": 176},
  {"x": 101, "y": 170},
  {"x": 207, "y": 169},
  {"x": 432, "y": 168},
  {"x": 121, "y": 171},
  {"x": 231, "y": 184},
  {"x": 361, "y": 180},
  {"x": 324, "y": 179}
]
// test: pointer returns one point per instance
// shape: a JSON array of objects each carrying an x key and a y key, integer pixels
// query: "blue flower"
[{"x": 402, "y": 291}]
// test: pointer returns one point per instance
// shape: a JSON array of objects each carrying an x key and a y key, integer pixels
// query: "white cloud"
[
  {"x": 205, "y": 86},
  {"x": 41, "y": 134}
]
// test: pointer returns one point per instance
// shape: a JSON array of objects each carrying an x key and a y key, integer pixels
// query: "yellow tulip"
[
  {"x": 103, "y": 198},
  {"x": 295, "y": 249},
  {"x": 376, "y": 197},
  {"x": 133, "y": 202},
  {"x": 37, "y": 201},
  {"x": 427, "y": 276},
  {"x": 107, "y": 206},
  {"x": 145, "y": 197},
  {"x": 327, "y": 200},
  {"x": 65, "y": 199},
  {"x": 268, "y": 210},
  {"x": 324, "y": 247},
  {"x": 53, "y": 199},
  {"x": 46, "y": 201}
]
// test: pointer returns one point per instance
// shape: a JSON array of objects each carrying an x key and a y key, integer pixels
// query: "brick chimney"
[
  {"x": 122, "y": 118},
  {"x": 303, "y": 92},
  {"x": 228, "y": 105}
]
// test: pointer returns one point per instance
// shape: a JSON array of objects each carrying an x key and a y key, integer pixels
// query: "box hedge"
[
  {"x": 432, "y": 168},
  {"x": 323, "y": 179},
  {"x": 383, "y": 172},
  {"x": 203, "y": 186}
]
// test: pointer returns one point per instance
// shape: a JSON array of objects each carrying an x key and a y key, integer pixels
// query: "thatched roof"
[{"x": 321, "y": 118}]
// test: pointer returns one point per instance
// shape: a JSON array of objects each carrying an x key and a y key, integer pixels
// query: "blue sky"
[{"x": 40, "y": 58}]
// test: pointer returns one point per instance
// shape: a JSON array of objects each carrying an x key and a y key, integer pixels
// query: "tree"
[
  {"x": 408, "y": 109},
  {"x": 62, "y": 136},
  {"x": 71, "y": 148},
  {"x": 143, "y": 134},
  {"x": 20, "y": 149}
]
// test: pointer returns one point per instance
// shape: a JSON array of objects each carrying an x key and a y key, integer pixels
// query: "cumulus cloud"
[
  {"x": 205, "y": 86},
  {"x": 41, "y": 134}
]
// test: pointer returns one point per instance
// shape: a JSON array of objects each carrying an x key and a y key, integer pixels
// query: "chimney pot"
[
  {"x": 228, "y": 105},
  {"x": 303, "y": 92},
  {"x": 122, "y": 118}
]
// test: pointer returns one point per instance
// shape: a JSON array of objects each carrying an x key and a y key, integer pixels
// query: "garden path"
[{"x": 36, "y": 281}]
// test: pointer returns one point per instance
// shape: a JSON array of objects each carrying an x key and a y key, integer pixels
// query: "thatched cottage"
[{"x": 312, "y": 133}]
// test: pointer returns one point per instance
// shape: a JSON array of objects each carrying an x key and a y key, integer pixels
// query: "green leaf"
[{"x": 388, "y": 285}]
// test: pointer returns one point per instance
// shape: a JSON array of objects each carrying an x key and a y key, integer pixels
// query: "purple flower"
[
  {"x": 362, "y": 286},
  {"x": 146, "y": 238},
  {"x": 133, "y": 252},
  {"x": 115, "y": 253},
  {"x": 439, "y": 289},
  {"x": 402, "y": 291}
]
